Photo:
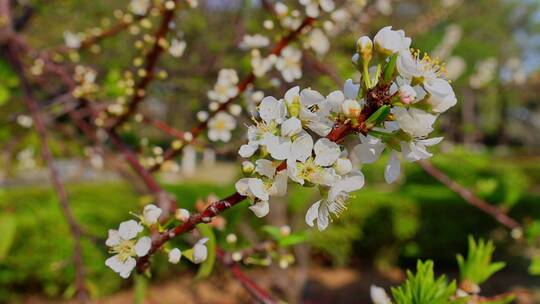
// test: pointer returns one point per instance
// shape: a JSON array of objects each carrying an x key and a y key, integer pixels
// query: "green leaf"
[
  {"x": 141, "y": 286},
  {"x": 8, "y": 226},
  {"x": 378, "y": 117},
  {"x": 4, "y": 94},
  {"x": 206, "y": 267},
  {"x": 477, "y": 268},
  {"x": 293, "y": 239},
  {"x": 534, "y": 268},
  {"x": 390, "y": 68},
  {"x": 423, "y": 288},
  {"x": 273, "y": 231}
]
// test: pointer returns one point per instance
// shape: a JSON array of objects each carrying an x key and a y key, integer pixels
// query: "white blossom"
[
  {"x": 177, "y": 48},
  {"x": 181, "y": 214},
  {"x": 126, "y": 248},
  {"x": 318, "y": 41},
  {"x": 289, "y": 63},
  {"x": 225, "y": 87},
  {"x": 335, "y": 202},
  {"x": 415, "y": 122},
  {"x": 312, "y": 6},
  {"x": 220, "y": 127},
  {"x": 388, "y": 41},
  {"x": 369, "y": 149},
  {"x": 72, "y": 41}
]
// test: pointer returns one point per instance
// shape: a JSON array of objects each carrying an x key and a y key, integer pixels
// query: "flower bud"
[
  {"x": 248, "y": 167},
  {"x": 181, "y": 214},
  {"x": 200, "y": 252},
  {"x": 175, "y": 255},
  {"x": 364, "y": 46},
  {"x": 343, "y": 166},
  {"x": 407, "y": 94},
  {"x": 151, "y": 214},
  {"x": 350, "y": 108},
  {"x": 231, "y": 238},
  {"x": 285, "y": 230}
]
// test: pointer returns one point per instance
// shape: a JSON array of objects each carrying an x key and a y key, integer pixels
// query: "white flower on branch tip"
[
  {"x": 289, "y": 63},
  {"x": 429, "y": 73},
  {"x": 254, "y": 41},
  {"x": 220, "y": 127},
  {"x": 259, "y": 190},
  {"x": 200, "y": 252},
  {"x": 326, "y": 152},
  {"x": 335, "y": 200},
  {"x": 175, "y": 255},
  {"x": 72, "y": 41},
  {"x": 309, "y": 171},
  {"x": 416, "y": 122},
  {"x": 151, "y": 214},
  {"x": 181, "y": 214},
  {"x": 126, "y": 248},
  {"x": 417, "y": 149},
  {"x": 139, "y": 7},
  {"x": 177, "y": 48},
  {"x": 225, "y": 87},
  {"x": 389, "y": 42},
  {"x": 378, "y": 295}
]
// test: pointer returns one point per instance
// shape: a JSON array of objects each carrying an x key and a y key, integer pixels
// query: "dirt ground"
[{"x": 324, "y": 285}]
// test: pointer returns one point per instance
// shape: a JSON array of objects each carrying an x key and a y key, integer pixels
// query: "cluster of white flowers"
[
  {"x": 177, "y": 47},
  {"x": 126, "y": 245},
  {"x": 73, "y": 41},
  {"x": 402, "y": 96}
]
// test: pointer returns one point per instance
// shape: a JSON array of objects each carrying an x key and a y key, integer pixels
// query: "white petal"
[
  {"x": 272, "y": 109},
  {"x": 291, "y": 94},
  {"x": 291, "y": 127},
  {"x": 143, "y": 246},
  {"x": 350, "y": 89},
  {"x": 278, "y": 147},
  {"x": 129, "y": 229},
  {"x": 256, "y": 186},
  {"x": 114, "y": 263},
  {"x": 309, "y": 97},
  {"x": 326, "y": 152},
  {"x": 127, "y": 267},
  {"x": 335, "y": 99},
  {"x": 279, "y": 186},
  {"x": 260, "y": 209},
  {"x": 265, "y": 167},
  {"x": 353, "y": 182},
  {"x": 369, "y": 150},
  {"x": 378, "y": 295},
  {"x": 431, "y": 141},
  {"x": 242, "y": 187},
  {"x": 247, "y": 150},
  {"x": 323, "y": 217},
  {"x": 114, "y": 238},
  {"x": 301, "y": 147},
  {"x": 392, "y": 170},
  {"x": 312, "y": 213}
]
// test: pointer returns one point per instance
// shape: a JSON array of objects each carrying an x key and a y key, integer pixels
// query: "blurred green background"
[{"x": 492, "y": 140}]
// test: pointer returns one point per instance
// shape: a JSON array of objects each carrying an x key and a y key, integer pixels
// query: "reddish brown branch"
[
  {"x": 242, "y": 86},
  {"x": 151, "y": 62},
  {"x": 74, "y": 228},
  {"x": 469, "y": 197},
  {"x": 255, "y": 290}
]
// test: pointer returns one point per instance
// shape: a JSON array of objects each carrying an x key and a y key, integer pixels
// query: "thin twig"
[
  {"x": 151, "y": 62},
  {"x": 469, "y": 196},
  {"x": 74, "y": 228},
  {"x": 253, "y": 288}
]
